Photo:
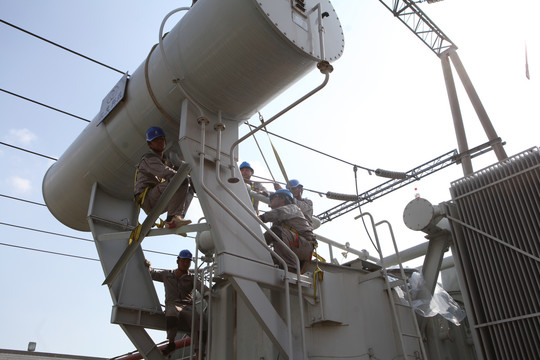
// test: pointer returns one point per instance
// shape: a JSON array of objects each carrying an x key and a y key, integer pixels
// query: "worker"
[
  {"x": 304, "y": 204},
  {"x": 179, "y": 284},
  {"x": 247, "y": 171},
  {"x": 291, "y": 227},
  {"x": 154, "y": 173}
]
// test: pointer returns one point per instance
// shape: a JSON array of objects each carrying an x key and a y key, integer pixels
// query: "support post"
[{"x": 456, "y": 114}]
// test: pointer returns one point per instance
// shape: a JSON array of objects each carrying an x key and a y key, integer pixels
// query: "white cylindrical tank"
[{"x": 234, "y": 56}]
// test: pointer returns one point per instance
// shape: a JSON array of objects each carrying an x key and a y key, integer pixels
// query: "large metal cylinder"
[{"x": 234, "y": 56}]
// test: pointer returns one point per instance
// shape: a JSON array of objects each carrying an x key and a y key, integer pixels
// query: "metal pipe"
[
  {"x": 325, "y": 69},
  {"x": 407, "y": 254}
]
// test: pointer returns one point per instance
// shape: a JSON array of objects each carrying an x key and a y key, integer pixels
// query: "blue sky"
[{"x": 385, "y": 107}]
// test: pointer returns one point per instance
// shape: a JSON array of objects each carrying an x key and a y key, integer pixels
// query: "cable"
[
  {"x": 45, "y": 232},
  {"x": 28, "y": 201},
  {"x": 64, "y": 235},
  {"x": 266, "y": 180},
  {"x": 76, "y": 237},
  {"x": 317, "y": 151},
  {"x": 61, "y": 47},
  {"x": 360, "y": 210},
  {"x": 28, "y": 151},
  {"x": 50, "y": 252},
  {"x": 47, "y": 106}
]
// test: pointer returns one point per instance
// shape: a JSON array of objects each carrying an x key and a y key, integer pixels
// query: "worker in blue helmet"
[
  {"x": 152, "y": 177},
  {"x": 247, "y": 171},
  {"x": 297, "y": 189},
  {"x": 178, "y": 284},
  {"x": 291, "y": 226}
]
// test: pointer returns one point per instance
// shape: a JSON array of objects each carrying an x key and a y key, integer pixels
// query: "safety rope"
[{"x": 278, "y": 159}]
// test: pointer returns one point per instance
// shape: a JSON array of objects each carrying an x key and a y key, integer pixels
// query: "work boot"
[{"x": 177, "y": 221}]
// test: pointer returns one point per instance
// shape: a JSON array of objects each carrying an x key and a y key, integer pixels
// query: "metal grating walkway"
[{"x": 496, "y": 226}]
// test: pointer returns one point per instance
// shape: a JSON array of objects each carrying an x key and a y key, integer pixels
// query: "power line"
[
  {"x": 63, "y": 235},
  {"x": 47, "y": 106},
  {"x": 61, "y": 47},
  {"x": 19, "y": 199},
  {"x": 315, "y": 150},
  {"x": 46, "y": 232},
  {"x": 28, "y": 151},
  {"x": 49, "y": 252},
  {"x": 73, "y": 237}
]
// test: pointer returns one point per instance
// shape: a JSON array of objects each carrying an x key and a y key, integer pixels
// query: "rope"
[{"x": 278, "y": 159}]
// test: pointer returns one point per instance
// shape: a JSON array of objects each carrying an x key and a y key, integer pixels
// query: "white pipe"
[
  {"x": 407, "y": 254},
  {"x": 327, "y": 69}
]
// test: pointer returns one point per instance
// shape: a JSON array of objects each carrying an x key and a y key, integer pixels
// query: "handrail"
[
  {"x": 203, "y": 122},
  {"x": 407, "y": 287},
  {"x": 219, "y": 128},
  {"x": 362, "y": 254}
]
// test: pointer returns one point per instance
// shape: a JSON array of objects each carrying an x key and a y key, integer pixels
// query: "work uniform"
[
  {"x": 291, "y": 226},
  {"x": 154, "y": 173},
  {"x": 257, "y": 187},
  {"x": 306, "y": 206},
  {"x": 179, "y": 302}
]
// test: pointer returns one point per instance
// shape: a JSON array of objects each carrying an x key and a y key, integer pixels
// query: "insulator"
[
  {"x": 344, "y": 197},
  {"x": 390, "y": 174}
]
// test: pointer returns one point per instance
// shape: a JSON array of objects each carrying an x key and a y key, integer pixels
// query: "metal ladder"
[{"x": 390, "y": 285}]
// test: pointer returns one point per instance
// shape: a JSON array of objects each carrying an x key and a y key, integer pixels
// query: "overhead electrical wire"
[
  {"x": 28, "y": 201},
  {"x": 49, "y": 252},
  {"x": 61, "y": 47},
  {"x": 28, "y": 151},
  {"x": 45, "y": 105},
  {"x": 62, "y": 235},
  {"x": 315, "y": 150}
]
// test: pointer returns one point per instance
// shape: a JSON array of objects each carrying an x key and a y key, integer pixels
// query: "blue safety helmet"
[
  {"x": 294, "y": 183},
  {"x": 185, "y": 254},
  {"x": 153, "y": 133},
  {"x": 245, "y": 164},
  {"x": 283, "y": 192}
]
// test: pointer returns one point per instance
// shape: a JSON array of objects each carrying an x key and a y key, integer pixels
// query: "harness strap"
[
  {"x": 295, "y": 243},
  {"x": 318, "y": 274}
]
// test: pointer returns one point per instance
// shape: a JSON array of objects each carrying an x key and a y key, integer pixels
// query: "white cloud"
[
  {"x": 20, "y": 184},
  {"x": 21, "y": 136}
]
